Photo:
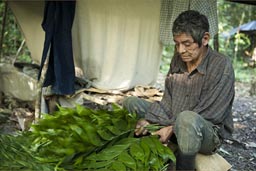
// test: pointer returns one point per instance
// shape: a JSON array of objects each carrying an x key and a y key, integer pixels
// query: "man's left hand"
[{"x": 164, "y": 133}]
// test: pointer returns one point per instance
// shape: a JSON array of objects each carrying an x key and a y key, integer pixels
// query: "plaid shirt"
[{"x": 208, "y": 91}]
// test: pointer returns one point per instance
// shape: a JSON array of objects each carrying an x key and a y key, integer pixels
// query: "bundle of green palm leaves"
[{"x": 83, "y": 139}]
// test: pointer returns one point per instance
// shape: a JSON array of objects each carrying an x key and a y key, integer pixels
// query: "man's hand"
[
  {"x": 164, "y": 133},
  {"x": 140, "y": 127}
]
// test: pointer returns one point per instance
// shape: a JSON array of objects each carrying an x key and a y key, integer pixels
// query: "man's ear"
[{"x": 206, "y": 39}]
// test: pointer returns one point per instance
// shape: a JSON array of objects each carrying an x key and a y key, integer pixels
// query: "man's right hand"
[{"x": 140, "y": 127}]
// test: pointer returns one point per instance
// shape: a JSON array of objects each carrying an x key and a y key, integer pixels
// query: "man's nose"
[{"x": 181, "y": 48}]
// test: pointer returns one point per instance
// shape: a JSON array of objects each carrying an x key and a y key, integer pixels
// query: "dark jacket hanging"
[{"x": 57, "y": 24}]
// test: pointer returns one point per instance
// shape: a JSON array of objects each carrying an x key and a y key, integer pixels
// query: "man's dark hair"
[{"x": 191, "y": 23}]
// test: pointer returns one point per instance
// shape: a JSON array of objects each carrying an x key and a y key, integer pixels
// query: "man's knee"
[
  {"x": 188, "y": 132},
  {"x": 136, "y": 105},
  {"x": 186, "y": 118},
  {"x": 129, "y": 101}
]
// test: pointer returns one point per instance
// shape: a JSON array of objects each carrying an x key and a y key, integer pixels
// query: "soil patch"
[{"x": 241, "y": 151}]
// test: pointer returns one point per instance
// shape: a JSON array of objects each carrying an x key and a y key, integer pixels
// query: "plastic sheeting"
[{"x": 115, "y": 42}]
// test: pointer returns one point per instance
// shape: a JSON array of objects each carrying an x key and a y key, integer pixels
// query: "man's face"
[{"x": 189, "y": 51}]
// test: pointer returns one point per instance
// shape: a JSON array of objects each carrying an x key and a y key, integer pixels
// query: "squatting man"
[{"x": 195, "y": 109}]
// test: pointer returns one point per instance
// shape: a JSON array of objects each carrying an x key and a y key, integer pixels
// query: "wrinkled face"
[{"x": 189, "y": 51}]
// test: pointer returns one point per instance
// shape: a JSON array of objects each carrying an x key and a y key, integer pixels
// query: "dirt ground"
[{"x": 240, "y": 152}]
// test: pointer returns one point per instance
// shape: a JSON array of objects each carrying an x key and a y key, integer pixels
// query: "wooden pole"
[
  {"x": 40, "y": 87},
  {"x": 3, "y": 28},
  {"x": 216, "y": 42}
]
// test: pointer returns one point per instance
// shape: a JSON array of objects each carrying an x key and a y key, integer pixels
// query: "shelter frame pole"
[
  {"x": 40, "y": 87},
  {"x": 3, "y": 28},
  {"x": 216, "y": 42}
]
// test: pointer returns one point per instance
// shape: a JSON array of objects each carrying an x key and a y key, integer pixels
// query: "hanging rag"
[{"x": 57, "y": 24}]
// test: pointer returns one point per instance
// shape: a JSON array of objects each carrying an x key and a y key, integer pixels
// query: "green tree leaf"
[
  {"x": 125, "y": 158},
  {"x": 118, "y": 166},
  {"x": 137, "y": 152}
]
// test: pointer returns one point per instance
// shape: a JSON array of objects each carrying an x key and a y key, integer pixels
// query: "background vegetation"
[
  {"x": 12, "y": 45},
  {"x": 234, "y": 46}
]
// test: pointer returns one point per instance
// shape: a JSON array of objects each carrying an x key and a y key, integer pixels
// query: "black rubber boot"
[
  {"x": 185, "y": 161},
  {"x": 171, "y": 166}
]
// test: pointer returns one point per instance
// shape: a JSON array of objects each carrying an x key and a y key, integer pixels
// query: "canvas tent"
[{"x": 116, "y": 43}]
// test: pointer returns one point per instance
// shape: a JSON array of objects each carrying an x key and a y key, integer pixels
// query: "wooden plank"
[{"x": 214, "y": 162}]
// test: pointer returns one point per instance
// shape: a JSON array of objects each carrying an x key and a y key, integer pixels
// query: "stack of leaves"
[
  {"x": 16, "y": 154},
  {"x": 85, "y": 139}
]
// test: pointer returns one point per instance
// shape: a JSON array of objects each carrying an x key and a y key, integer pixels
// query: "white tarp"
[{"x": 115, "y": 42}]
